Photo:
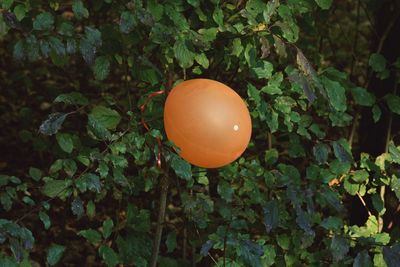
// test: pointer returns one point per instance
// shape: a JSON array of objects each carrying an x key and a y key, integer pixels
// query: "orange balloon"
[{"x": 208, "y": 121}]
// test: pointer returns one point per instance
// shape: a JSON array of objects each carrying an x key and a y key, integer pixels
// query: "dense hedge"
[{"x": 79, "y": 179}]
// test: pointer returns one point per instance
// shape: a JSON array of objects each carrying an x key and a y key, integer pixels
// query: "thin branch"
[{"x": 364, "y": 204}]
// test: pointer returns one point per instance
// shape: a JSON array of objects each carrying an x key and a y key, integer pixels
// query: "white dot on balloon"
[{"x": 236, "y": 127}]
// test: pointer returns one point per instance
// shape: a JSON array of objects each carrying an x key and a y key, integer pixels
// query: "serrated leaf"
[
  {"x": 77, "y": 207},
  {"x": 320, "y": 152},
  {"x": 341, "y": 153},
  {"x": 79, "y": 10},
  {"x": 108, "y": 255},
  {"x": 336, "y": 94},
  {"x": 45, "y": 219},
  {"x": 101, "y": 68},
  {"x": 65, "y": 142},
  {"x": 54, "y": 254},
  {"x": 393, "y": 102},
  {"x": 53, "y": 123},
  {"x": 107, "y": 228},
  {"x": 271, "y": 215},
  {"x": 182, "y": 53},
  {"x": 70, "y": 167},
  {"x": 43, "y": 22},
  {"x": 74, "y": 98},
  {"x": 202, "y": 60},
  {"x": 263, "y": 69},
  {"x": 363, "y": 97},
  {"x": 107, "y": 117},
  {"x": 98, "y": 129},
  {"x": 89, "y": 181},
  {"x": 91, "y": 235},
  {"x": 53, "y": 188},
  {"x": 324, "y": 4},
  {"x": 250, "y": 252},
  {"x": 88, "y": 51},
  {"x": 339, "y": 247},
  {"x": 225, "y": 190},
  {"x": 377, "y": 62},
  {"x": 181, "y": 167},
  {"x": 394, "y": 152},
  {"x": 127, "y": 22}
]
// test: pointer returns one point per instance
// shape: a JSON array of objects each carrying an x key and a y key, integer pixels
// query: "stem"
[
  {"x": 388, "y": 136},
  {"x": 364, "y": 204},
  {"x": 160, "y": 220}
]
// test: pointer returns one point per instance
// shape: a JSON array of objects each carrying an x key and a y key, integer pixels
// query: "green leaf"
[
  {"x": 339, "y": 247},
  {"x": 363, "y": 97},
  {"x": 77, "y": 207},
  {"x": 182, "y": 53},
  {"x": 225, "y": 190},
  {"x": 107, "y": 228},
  {"x": 70, "y": 167},
  {"x": 101, "y": 67},
  {"x": 378, "y": 204},
  {"x": 350, "y": 187},
  {"x": 171, "y": 241},
  {"x": 250, "y": 252},
  {"x": 53, "y": 188},
  {"x": 65, "y": 142},
  {"x": 376, "y": 113},
  {"x": 392, "y": 255},
  {"x": 43, "y": 22},
  {"x": 35, "y": 173},
  {"x": 20, "y": 11},
  {"x": 332, "y": 223},
  {"x": 181, "y": 167},
  {"x": 202, "y": 60},
  {"x": 74, "y": 98},
  {"x": 341, "y": 153},
  {"x": 91, "y": 235},
  {"x": 363, "y": 260},
  {"x": 271, "y": 215},
  {"x": 360, "y": 176},
  {"x": 89, "y": 181},
  {"x": 393, "y": 102},
  {"x": 271, "y": 156},
  {"x": 45, "y": 219},
  {"x": 336, "y": 94},
  {"x": 54, "y": 254},
  {"x": 6, "y": 4},
  {"x": 90, "y": 209},
  {"x": 263, "y": 69},
  {"x": 394, "y": 152},
  {"x": 97, "y": 128},
  {"x": 127, "y": 22},
  {"x": 53, "y": 123},
  {"x": 324, "y": 4},
  {"x": 93, "y": 36},
  {"x": 320, "y": 152},
  {"x": 254, "y": 93},
  {"x": 106, "y": 117},
  {"x": 79, "y": 10},
  {"x": 218, "y": 16},
  {"x": 377, "y": 62},
  {"x": 108, "y": 255}
]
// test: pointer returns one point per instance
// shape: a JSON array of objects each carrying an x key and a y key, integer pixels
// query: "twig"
[
  {"x": 364, "y": 204},
  {"x": 164, "y": 184}
]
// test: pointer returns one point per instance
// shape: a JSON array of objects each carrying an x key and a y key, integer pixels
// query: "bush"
[{"x": 81, "y": 183}]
